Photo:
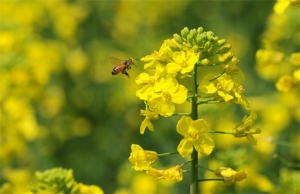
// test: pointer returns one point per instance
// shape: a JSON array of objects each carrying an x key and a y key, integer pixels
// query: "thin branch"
[
  {"x": 222, "y": 132},
  {"x": 209, "y": 65},
  {"x": 182, "y": 114},
  {"x": 209, "y": 102},
  {"x": 217, "y": 76},
  {"x": 167, "y": 154},
  {"x": 206, "y": 168},
  {"x": 186, "y": 162},
  {"x": 285, "y": 162}
]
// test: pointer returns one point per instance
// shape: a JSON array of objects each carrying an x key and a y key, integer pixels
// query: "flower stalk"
[{"x": 194, "y": 116}]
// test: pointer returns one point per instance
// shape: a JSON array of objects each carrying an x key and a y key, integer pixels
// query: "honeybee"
[{"x": 123, "y": 67}]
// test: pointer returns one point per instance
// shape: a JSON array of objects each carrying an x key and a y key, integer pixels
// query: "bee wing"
[{"x": 115, "y": 61}]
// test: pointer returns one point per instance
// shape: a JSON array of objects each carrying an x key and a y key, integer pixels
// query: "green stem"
[
  {"x": 286, "y": 144},
  {"x": 194, "y": 116},
  {"x": 217, "y": 76},
  {"x": 191, "y": 96},
  {"x": 280, "y": 142},
  {"x": 285, "y": 162},
  {"x": 206, "y": 168},
  {"x": 198, "y": 64},
  {"x": 166, "y": 154},
  {"x": 222, "y": 132},
  {"x": 181, "y": 114},
  {"x": 205, "y": 96},
  {"x": 202, "y": 96},
  {"x": 210, "y": 102},
  {"x": 186, "y": 162}
]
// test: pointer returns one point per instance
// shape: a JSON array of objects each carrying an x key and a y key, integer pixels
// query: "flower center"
[{"x": 166, "y": 95}]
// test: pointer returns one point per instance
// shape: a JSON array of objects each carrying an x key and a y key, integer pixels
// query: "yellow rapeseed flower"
[
  {"x": 230, "y": 176},
  {"x": 150, "y": 114},
  {"x": 245, "y": 129},
  {"x": 286, "y": 83},
  {"x": 194, "y": 136},
  {"x": 142, "y": 159},
  {"x": 167, "y": 92},
  {"x": 183, "y": 62},
  {"x": 267, "y": 57},
  {"x": 149, "y": 81},
  {"x": 162, "y": 56},
  {"x": 88, "y": 189},
  {"x": 225, "y": 88},
  {"x": 174, "y": 173}
]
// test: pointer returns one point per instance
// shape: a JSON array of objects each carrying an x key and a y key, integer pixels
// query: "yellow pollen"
[
  {"x": 166, "y": 95},
  {"x": 219, "y": 86}
]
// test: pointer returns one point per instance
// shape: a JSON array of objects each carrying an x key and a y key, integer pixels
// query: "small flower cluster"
[
  {"x": 142, "y": 160},
  {"x": 244, "y": 129},
  {"x": 230, "y": 176},
  {"x": 59, "y": 180},
  {"x": 180, "y": 55},
  {"x": 224, "y": 89}
]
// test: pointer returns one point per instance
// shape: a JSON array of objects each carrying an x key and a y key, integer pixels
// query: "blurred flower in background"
[{"x": 60, "y": 106}]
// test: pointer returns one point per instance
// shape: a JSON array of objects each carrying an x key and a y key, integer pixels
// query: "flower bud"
[
  {"x": 221, "y": 42},
  {"x": 190, "y": 39},
  {"x": 227, "y": 57},
  {"x": 174, "y": 46},
  {"x": 193, "y": 33},
  {"x": 215, "y": 39},
  {"x": 184, "y": 32},
  {"x": 210, "y": 49},
  {"x": 207, "y": 45},
  {"x": 225, "y": 49},
  {"x": 204, "y": 61},
  {"x": 200, "y": 30},
  {"x": 195, "y": 48},
  {"x": 217, "y": 59},
  {"x": 200, "y": 39},
  {"x": 177, "y": 38},
  {"x": 210, "y": 35}
]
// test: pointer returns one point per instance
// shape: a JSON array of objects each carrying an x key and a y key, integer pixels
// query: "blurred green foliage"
[{"x": 61, "y": 107}]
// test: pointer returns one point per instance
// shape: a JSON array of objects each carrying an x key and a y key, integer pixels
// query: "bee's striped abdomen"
[{"x": 116, "y": 70}]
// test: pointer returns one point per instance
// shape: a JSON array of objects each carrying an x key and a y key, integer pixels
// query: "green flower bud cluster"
[
  {"x": 61, "y": 181},
  {"x": 56, "y": 180},
  {"x": 214, "y": 51}
]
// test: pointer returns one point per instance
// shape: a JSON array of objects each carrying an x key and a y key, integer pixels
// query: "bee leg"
[{"x": 125, "y": 72}]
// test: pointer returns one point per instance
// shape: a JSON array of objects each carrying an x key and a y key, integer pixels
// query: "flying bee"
[{"x": 123, "y": 67}]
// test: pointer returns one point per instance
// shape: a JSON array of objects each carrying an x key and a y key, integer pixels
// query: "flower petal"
[
  {"x": 146, "y": 123},
  {"x": 204, "y": 145},
  {"x": 180, "y": 96},
  {"x": 206, "y": 86},
  {"x": 142, "y": 78},
  {"x": 200, "y": 126},
  {"x": 183, "y": 125},
  {"x": 173, "y": 67},
  {"x": 185, "y": 147}
]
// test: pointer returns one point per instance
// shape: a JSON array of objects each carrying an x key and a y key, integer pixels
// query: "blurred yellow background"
[{"x": 61, "y": 107}]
